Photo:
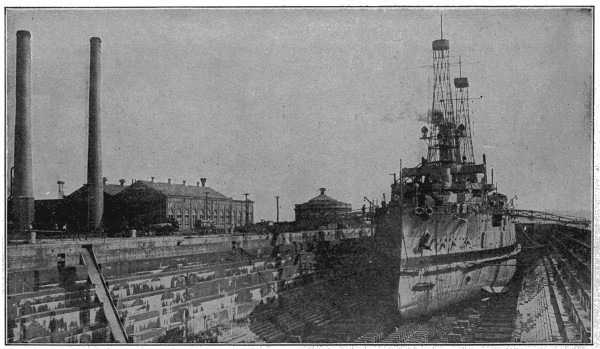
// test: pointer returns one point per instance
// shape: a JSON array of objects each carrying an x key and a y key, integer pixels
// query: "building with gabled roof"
[
  {"x": 73, "y": 208},
  {"x": 149, "y": 202},
  {"x": 109, "y": 189}
]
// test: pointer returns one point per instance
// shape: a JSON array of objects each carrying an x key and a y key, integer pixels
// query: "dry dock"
[{"x": 201, "y": 289}]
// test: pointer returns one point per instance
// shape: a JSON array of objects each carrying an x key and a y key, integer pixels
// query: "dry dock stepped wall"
[{"x": 150, "y": 285}]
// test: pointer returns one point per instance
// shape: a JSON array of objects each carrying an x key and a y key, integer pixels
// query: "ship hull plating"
[{"x": 446, "y": 257}]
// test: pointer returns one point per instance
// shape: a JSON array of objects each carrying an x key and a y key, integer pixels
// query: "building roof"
[
  {"x": 109, "y": 189},
  {"x": 178, "y": 190},
  {"x": 113, "y": 189},
  {"x": 323, "y": 200}
]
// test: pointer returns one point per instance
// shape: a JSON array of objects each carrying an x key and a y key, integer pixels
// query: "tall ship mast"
[{"x": 446, "y": 234}]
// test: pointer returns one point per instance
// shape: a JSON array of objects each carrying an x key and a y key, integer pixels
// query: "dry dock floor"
[{"x": 539, "y": 306}]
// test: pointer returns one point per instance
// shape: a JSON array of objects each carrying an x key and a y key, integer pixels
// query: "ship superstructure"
[{"x": 445, "y": 229}]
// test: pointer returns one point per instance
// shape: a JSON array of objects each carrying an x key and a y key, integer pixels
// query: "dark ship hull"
[{"x": 446, "y": 258}]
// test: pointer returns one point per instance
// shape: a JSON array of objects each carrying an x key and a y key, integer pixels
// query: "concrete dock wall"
[{"x": 156, "y": 283}]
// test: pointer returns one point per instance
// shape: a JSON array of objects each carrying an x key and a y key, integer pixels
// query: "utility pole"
[
  {"x": 230, "y": 218},
  {"x": 277, "y": 198},
  {"x": 205, "y": 205},
  {"x": 247, "y": 213}
]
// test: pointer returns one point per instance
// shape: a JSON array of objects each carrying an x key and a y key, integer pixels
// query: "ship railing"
[{"x": 450, "y": 208}]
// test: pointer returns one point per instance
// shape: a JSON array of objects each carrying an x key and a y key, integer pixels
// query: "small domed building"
[{"x": 319, "y": 208}]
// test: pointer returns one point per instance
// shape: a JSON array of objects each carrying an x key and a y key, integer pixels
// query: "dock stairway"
[{"x": 103, "y": 294}]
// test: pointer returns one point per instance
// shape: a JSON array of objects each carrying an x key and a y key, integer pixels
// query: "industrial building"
[
  {"x": 192, "y": 206},
  {"x": 319, "y": 208},
  {"x": 144, "y": 203},
  {"x": 73, "y": 208}
]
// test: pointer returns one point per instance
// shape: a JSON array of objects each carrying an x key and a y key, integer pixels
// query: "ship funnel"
[
  {"x": 94, "y": 170},
  {"x": 22, "y": 204}
]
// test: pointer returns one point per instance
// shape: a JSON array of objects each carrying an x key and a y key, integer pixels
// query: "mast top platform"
[
  {"x": 441, "y": 45},
  {"x": 461, "y": 82}
]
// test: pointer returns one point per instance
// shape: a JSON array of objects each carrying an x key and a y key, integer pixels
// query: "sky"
[{"x": 281, "y": 102}]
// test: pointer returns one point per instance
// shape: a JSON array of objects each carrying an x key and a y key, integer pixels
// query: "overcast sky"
[{"x": 285, "y": 101}]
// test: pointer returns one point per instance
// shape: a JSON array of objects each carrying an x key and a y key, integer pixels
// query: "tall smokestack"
[
  {"x": 22, "y": 190},
  {"x": 95, "y": 184}
]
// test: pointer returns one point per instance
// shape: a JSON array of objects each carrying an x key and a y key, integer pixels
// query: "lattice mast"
[
  {"x": 461, "y": 85},
  {"x": 443, "y": 143}
]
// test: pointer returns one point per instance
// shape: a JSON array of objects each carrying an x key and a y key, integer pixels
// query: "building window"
[
  {"x": 240, "y": 218},
  {"x": 215, "y": 216},
  {"x": 202, "y": 214},
  {"x": 187, "y": 217},
  {"x": 228, "y": 217},
  {"x": 170, "y": 214},
  {"x": 179, "y": 215},
  {"x": 222, "y": 217},
  {"x": 194, "y": 217}
]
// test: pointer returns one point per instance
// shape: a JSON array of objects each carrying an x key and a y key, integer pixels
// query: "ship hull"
[
  {"x": 434, "y": 290},
  {"x": 446, "y": 257}
]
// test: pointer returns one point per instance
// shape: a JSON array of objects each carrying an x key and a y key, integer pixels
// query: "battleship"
[
  {"x": 193, "y": 267},
  {"x": 446, "y": 228}
]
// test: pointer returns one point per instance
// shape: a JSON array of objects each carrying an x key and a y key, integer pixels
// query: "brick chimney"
[
  {"x": 122, "y": 181},
  {"x": 94, "y": 175},
  {"x": 203, "y": 180},
  {"x": 22, "y": 188},
  {"x": 169, "y": 180}
]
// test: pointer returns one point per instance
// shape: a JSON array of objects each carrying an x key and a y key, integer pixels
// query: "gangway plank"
[{"x": 550, "y": 217}]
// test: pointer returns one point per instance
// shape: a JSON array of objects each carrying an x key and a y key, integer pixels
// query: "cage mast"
[
  {"x": 463, "y": 119},
  {"x": 443, "y": 143}
]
